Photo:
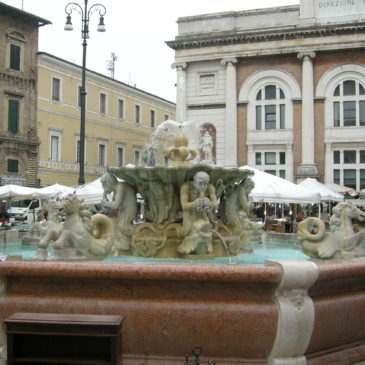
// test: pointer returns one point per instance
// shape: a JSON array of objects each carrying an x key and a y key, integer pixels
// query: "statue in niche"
[
  {"x": 124, "y": 199},
  {"x": 199, "y": 203},
  {"x": 207, "y": 147}
]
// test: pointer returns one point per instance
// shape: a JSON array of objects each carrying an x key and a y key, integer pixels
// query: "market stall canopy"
[
  {"x": 344, "y": 190},
  {"x": 17, "y": 192},
  {"x": 273, "y": 189},
  {"x": 326, "y": 193},
  {"x": 91, "y": 193},
  {"x": 55, "y": 191}
]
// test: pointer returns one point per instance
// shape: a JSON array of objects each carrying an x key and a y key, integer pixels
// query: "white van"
[{"x": 24, "y": 210}]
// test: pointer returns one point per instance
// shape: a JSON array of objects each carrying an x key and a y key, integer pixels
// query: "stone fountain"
[
  {"x": 192, "y": 211},
  {"x": 288, "y": 312}
]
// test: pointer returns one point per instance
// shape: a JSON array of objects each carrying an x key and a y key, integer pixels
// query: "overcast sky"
[{"x": 136, "y": 32}]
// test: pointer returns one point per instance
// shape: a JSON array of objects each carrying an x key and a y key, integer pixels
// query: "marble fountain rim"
[{"x": 259, "y": 273}]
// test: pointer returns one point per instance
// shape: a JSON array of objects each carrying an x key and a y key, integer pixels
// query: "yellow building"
[{"x": 119, "y": 120}]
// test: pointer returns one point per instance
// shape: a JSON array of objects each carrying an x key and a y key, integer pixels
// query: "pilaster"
[
  {"x": 307, "y": 167},
  {"x": 230, "y": 138},
  {"x": 181, "y": 106}
]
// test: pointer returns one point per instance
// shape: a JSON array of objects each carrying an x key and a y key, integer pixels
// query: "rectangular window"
[
  {"x": 13, "y": 115},
  {"x": 349, "y": 156},
  {"x": 166, "y": 117},
  {"x": 282, "y": 174},
  {"x": 137, "y": 114},
  {"x": 362, "y": 156},
  {"x": 271, "y": 172},
  {"x": 102, "y": 103},
  {"x": 282, "y": 116},
  {"x": 336, "y": 114},
  {"x": 349, "y": 178},
  {"x": 137, "y": 157},
  {"x": 270, "y": 158},
  {"x": 102, "y": 154},
  {"x": 282, "y": 158},
  {"x": 336, "y": 157},
  {"x": 14, "y": 57},
  {"x": 56, "y": 89},
  {"x": 120, "y": 156},
  {"x": 153, "y": 118},
  {"x": 55, "y": 148},
  {"x": 258, "y": 117},
  {"x": 362, "y": 179},
  {"x": 270, "y": 116},
  {"x": 362, "y": 113},
  {"x": 336, "y": 176},
  {"x": 120, "y": 109},
  {"x": 13, "y": 166},
  {"x": 258, "y": 158},
  {"x": 349, "y": 113}
]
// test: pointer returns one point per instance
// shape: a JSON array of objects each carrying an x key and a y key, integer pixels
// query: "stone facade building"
[
  {"x": 18, "y": 96},
  {"x": 283, "y": 88},
  {"x": 119, "y": 121}
]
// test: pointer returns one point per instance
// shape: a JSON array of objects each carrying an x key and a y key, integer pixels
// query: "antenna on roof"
[{"x": 110, "y": 64}]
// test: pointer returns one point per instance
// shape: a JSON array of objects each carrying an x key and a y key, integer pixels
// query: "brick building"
[
  {"x": 282, "y": 88},
  {"x": 18, "y": 96}
]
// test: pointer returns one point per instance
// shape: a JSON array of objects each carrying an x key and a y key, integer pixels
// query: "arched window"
[
  {"x": 349, "y": 104},
  {"x": 270, "y": 108}
]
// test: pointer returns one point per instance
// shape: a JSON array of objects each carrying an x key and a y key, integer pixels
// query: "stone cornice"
[
  {"x": 28, "y": 142},
  {"x": 266, "y": 35}
]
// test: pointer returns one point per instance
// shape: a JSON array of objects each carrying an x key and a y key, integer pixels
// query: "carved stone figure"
[
  {"x": 199, "y": 203},
  {"x": 207, "y": 147},
  {"x": 124, "y": 199},
  {"x": 340, "y": 242},
  {"x": 48, "y": 218},
  {"x": 82, "y": 236}
]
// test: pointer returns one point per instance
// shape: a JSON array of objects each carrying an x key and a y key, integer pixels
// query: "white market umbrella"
[
  {"x": 273, "y": 189},
  {"x": 326, "y": 193},
  {"x": 55, "y": 191},
  {"x": 17, "y": 192}
]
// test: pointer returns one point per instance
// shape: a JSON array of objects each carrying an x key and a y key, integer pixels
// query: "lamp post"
[{"x": 85, "y": 18}]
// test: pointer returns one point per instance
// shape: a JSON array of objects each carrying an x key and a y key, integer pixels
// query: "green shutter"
[
  {"x": 14, "y": 57},
  {"x": 13, "y": 166},
  {"x": 13, "y": 116}
]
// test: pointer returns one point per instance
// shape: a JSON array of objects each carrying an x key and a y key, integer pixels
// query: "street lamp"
[{"x": 85, "y": 18}]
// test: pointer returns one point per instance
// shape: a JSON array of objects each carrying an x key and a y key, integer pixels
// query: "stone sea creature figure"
[
  {"x": 123, "y": 197},
  {"x": 82, "y": 236},
  {"x": 341, "y": 241}
]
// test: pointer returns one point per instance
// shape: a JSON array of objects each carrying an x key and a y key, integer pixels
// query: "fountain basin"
[{"x": 168, "y": 308}]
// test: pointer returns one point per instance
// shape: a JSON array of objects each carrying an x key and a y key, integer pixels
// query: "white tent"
[
  {"x": 55, "y": 191},
  {"x": 17, "y": 192},
  {"x": 273, "y": 189},
  {"x": 341, "y": 189},
  {"x": 326, "y": 193},
  {"x": 91, "y": 193}
]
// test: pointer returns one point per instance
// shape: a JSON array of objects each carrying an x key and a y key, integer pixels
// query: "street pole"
[{"x": 85, "y": 18}]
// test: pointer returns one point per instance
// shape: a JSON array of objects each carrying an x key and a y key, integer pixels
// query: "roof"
[{"x": 27, "y": 17}]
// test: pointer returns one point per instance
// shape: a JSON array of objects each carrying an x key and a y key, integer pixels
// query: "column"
[
  {"x": 181, "y": 91},
  {"x": 230, "y": 135},
  {"x": 307, "y": 167}
]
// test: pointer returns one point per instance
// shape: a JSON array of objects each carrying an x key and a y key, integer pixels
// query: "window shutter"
[
  {"x": 14, "y": 57},
  {"x": 13, "y": 166},
  {"x": 13, "y": 116}
]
